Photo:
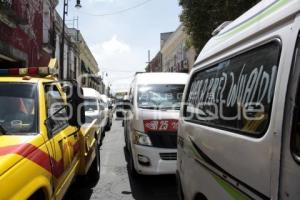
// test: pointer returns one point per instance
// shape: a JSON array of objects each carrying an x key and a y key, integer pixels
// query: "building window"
[{"x": 46, "y": 23}]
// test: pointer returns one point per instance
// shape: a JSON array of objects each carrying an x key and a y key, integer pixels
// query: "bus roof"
[
  {"x": 161, "y": 78},
  {"x": 91, "y": 93}
]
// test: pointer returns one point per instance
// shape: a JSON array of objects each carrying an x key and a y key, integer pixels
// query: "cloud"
[
  {"x": 114, "y": 46},
  {"x": 115, "y": 56},
  {"x": 109, "y": 53}
]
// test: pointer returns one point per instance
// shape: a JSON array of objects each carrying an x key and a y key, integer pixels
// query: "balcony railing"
[{"x": 10, "y": 16}]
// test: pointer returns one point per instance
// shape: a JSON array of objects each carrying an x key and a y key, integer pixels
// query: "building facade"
[
  {"x": 79, "y": 62},
  {"x": 88, "y": 68},
  {"x": 26, "y": 32},
  {"x": 155, "y": 64},
  {"x": 177, "y": 55},
  {"x": 31, "y": 34}
]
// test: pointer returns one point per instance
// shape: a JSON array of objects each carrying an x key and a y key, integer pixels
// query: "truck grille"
[
  {"x": 168, "y": 156},
  {"x": 166, "y": 140}
]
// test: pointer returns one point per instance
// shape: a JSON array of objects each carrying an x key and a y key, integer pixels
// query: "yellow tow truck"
[{"x": 42, "y": 145}]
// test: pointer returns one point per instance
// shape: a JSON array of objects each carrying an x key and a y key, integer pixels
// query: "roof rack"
[
  {"x": 136, "y": 73},
  {"x": 220, "y": 28}
]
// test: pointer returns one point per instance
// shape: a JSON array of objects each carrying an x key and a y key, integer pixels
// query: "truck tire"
[
  {"x": 94, "y": 173},
  {"x": 38, "y": 195}
]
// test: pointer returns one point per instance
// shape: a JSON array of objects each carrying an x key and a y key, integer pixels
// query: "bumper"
[{"x": 158, "y": 164}]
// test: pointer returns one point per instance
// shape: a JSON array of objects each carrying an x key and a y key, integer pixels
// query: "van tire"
[
  {"x": 180, "y": 194},
  {"x": 107, "y": 127},
  {"x": 131, "y": 169}
]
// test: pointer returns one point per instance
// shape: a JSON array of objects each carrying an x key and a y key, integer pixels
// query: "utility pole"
[
  {"x": 62, "y": 47},
  {"x": 149, "y": 60}
]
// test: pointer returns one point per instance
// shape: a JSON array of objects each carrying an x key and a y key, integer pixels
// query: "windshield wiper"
[
  {"x": 169, "y": 108},
  {"x": 149, "y": 107},
  {"x": 2, "y": 130}
]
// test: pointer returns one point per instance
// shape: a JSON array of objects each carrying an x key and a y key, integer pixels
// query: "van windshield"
[
  {"x": 160, "y": 97},
  {"x": 18, "y": 113},
  {"x": 90, "y": 105}
]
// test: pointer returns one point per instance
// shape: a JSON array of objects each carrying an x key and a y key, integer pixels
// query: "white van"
[
  {"x": 108, "y": 113},
  {"x": 93, "y": 110},
  {"x": 151, "y": 124},
  {"x": 239, "y": 130}
]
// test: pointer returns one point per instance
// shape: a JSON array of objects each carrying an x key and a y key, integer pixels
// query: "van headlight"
[{"x": 141, "y": 139}]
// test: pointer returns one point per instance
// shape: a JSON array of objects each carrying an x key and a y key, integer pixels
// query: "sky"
[{"x": 120, "y": 42}]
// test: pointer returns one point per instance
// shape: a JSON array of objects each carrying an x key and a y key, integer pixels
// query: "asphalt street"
[{"x": 115, "y": 182}]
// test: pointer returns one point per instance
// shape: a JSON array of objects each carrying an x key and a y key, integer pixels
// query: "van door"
[
  {"x": 102, "y": 114},
  {"x": 290, "y": 163},
  {"x": 228, "y": 124},
  {"x": 64, "y": 139}
]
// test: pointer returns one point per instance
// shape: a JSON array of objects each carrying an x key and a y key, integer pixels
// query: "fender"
[
  {"x": 88, "y": 147},
  {"x": 29, "y": 189}
]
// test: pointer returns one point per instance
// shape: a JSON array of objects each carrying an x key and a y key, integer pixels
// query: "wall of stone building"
[
  {"x": 156, "y": 63},
  {"x": 191, "y": 56},
  {"x": 177, "y": 56},
  {"x": 22, "y": 32}
]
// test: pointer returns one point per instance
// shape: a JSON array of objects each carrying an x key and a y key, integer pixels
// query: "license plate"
[{"x": 161, "y": 125}]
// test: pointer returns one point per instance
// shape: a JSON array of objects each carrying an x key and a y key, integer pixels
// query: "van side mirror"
[{"x": 75, "y": 105}]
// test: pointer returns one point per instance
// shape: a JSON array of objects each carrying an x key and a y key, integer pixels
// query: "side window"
[
  {"x": 296, "y": 118},
  {"x": 131, "y": 95},
  {"x": 56, "y": 110},
  {"x": 101, "y": 105},
  {"x": 236, "y": 94}
]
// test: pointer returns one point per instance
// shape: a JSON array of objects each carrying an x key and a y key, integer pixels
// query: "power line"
[{"x": 119, "y": 11}]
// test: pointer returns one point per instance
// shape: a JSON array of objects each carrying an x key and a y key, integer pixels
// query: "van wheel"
[
  {"x": 131, "y": 169},
  {"x": 94, "y": 173},
  {"x": 107, "y": 128},
  {"x": 179, "y": 190}
]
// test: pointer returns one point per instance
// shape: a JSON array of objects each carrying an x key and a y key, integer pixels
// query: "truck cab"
[{"x": 42, "y": 145}]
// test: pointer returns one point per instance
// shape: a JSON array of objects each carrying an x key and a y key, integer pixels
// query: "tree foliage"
[{"x": 201, "y": 17}]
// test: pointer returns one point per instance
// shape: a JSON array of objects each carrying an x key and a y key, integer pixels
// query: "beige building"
[
  {"x": 177, "y": 56},
  {"x": 88, "y": 66}
]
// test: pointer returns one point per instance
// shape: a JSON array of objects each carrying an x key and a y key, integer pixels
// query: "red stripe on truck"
[{"x": 37, "y": 156}]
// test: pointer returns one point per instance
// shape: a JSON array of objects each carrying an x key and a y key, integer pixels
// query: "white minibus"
[
  {"x": 151, "y": 122},
  {"x": 239, "y": 128},
  {"x": 108, "y": 113},
  {"x": 94, "y": 110}
]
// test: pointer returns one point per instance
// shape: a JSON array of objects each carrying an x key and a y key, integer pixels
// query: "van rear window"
[{"x": 237, "y": 93}]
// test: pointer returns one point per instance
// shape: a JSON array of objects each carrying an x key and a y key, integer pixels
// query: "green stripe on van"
[
  {"x": 234, "y": 193},
  {"x": 251, "y": 21}
]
